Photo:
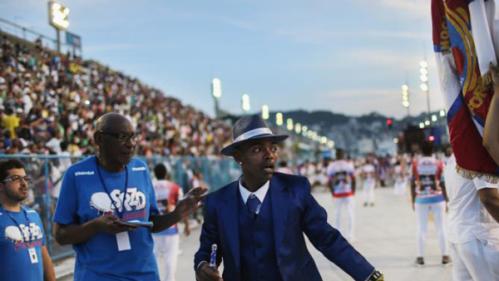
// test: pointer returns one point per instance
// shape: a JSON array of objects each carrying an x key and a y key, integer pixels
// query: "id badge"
[
  {"x": 123, "y": 240},
  {"x": 33, "y": 256}
]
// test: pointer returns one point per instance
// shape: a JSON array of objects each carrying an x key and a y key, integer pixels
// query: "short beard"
[{"x": 14, "y": 197}]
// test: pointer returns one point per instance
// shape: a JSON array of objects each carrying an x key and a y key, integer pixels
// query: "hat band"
[{"x": 253, "y": 133}]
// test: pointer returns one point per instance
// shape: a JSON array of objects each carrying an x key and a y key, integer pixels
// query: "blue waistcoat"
[{"x": 256, "y": 238}]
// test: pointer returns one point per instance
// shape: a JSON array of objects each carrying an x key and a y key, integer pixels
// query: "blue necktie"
[{"x": 253, "y": 204}]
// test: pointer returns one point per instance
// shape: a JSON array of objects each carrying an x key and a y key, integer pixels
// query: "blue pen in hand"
[{"x": 213, "y": 256}]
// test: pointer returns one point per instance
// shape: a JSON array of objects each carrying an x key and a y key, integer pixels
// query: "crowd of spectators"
[{"x": 49, "y": 101}]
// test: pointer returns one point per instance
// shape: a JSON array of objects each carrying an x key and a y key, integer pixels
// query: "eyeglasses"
[
  {"x": 122, "y": 137},
  {"x": 27, "y": 179}
]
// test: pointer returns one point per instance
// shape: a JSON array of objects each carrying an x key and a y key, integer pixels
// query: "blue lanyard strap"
[
  {"x": 120, "y": 214},
  {"x": 14, "y": 220}
]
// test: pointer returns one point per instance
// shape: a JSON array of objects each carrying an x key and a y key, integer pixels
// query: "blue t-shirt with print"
[
  {"x": 84, "y": 197},
  {"x": 20, "y": 232}
]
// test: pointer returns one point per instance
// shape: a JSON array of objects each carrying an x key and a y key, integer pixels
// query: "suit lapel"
[
  {"x": 280, "y": 204},
  {"x": 230, "y": 219}
]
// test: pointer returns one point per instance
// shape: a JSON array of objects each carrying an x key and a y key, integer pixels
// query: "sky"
[{"x": 346, "y": 56}]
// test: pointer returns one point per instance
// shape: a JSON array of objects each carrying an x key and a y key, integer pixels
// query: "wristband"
[
  {"x": 376, "y": 276},
  {"x": 200, "y": 264}
]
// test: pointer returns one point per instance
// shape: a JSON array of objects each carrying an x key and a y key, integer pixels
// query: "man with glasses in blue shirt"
[
  {"x": 23, "y": 254},
  {"x": 102, "y": 200}
]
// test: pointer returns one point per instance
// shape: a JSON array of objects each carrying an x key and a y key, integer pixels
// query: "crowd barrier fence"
[{"x": 47, "y": 172}]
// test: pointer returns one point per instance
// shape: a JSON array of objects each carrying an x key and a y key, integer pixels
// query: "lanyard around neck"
[
  {"x": 120, "y": 214},
  {"x": 8, "y": 213}
]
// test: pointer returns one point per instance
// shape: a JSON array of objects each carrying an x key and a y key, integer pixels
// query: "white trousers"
[
  {"x": 474, "y": 261},
  {"x": 166, "y": 251},
  {"x": 368, "y": 190},
  {"x": 422, "y": 213},
  {"x": 400, "y": 186},
  {"x": 347, "y": 203}
]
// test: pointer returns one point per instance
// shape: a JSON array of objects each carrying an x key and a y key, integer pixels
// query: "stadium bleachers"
[{"x": 47, "y": 98}]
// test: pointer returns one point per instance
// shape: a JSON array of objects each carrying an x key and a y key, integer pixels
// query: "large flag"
[{"x": 466, "y": 92}]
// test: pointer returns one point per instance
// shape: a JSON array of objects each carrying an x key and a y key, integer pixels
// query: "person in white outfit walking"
[
  {"x": 401, "y": 176},
  {"x": 428, "y": 196},
  {"x": 368, "y": 174},
  {"x": 166, "y": 243},
  {"x": 342, "y": 184}
]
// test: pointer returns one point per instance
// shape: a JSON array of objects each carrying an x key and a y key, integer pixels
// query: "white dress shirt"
[{"x": 260, "y": 193}]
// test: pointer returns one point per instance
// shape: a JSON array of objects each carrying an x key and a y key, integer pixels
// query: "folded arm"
[
  {"x": 491, "y": 129},
  {"x": 490, "y": 200}
]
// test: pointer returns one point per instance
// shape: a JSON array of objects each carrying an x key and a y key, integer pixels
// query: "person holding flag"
[
  {"x": 467, "y": 94},
  {"x": 464, "y": 49}
]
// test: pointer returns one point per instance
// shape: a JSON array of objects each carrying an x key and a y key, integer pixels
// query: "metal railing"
[
  {"x": 47, "y": 172},
  {"x": 31, "y": 35}
]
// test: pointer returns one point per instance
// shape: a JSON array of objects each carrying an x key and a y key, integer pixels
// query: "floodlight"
[
  {"x": 58, "y": 15},
  {"x": 216, "y": 88}
]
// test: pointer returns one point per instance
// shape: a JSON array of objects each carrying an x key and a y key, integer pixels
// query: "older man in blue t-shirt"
[{"x": 101, "y": 196}]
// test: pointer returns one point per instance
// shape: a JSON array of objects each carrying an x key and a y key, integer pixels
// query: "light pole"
[
  {"x": 298, "y": 128},
  {"x": 304, "y": 130},
  {"x": 330, "y": 144},
  {"x": 216, "y": 92},
  {"x": 245, "y": 103},
  {"x": 289, "y": 124},
  {"x": 279, "y": 119},
  {"x": 265, "y": 112},
  {"x": 58, "y": 18},
  {"x": 405, "y": 98},
  {"x": 424, "y": 83}
]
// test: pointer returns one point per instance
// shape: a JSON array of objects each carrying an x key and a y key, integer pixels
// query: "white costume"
[
  {"x": 369, "y": 182},
  {"x": 166, "y": 243},
  {"x": 473, "y": 233},
  {"x": 400, "y": 180},
  {"x": 427, "y": 171},
  {"x": 341, "y": 173}
]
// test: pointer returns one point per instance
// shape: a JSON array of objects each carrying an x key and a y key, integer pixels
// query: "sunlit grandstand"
[{"x": 50, "y": 98}]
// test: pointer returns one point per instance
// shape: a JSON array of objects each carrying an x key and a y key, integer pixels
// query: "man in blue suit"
[{"x": 258, "y": 221}]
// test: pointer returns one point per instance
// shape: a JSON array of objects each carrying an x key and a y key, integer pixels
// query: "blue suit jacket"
[{"x": 294, "y": 212}]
